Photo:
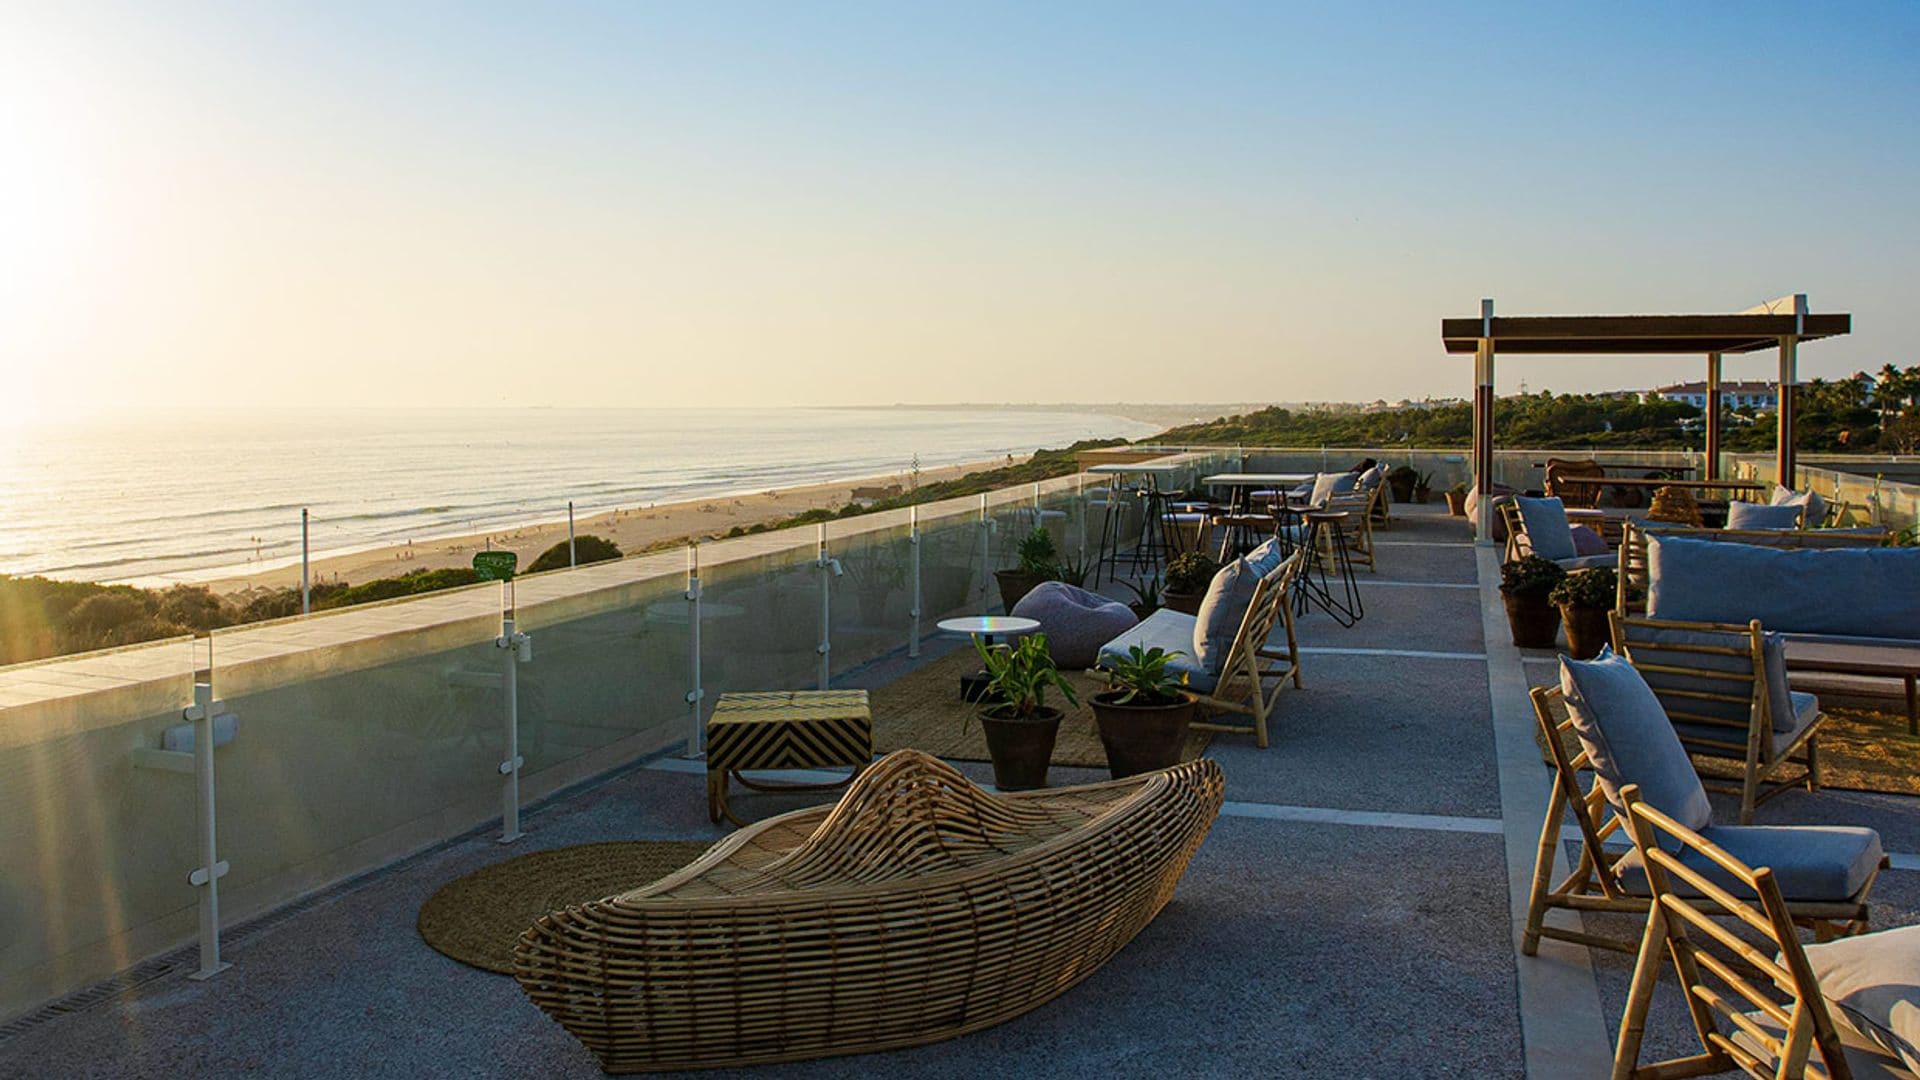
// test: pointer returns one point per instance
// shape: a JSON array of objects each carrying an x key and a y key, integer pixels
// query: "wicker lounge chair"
[{"x": 917, "y": 909}]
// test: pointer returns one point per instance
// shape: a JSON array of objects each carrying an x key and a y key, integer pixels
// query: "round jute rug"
[{"x": 478, "y": 918}]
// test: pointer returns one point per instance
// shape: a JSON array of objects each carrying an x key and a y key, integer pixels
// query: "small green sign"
[{"x": 495, "y": 565}]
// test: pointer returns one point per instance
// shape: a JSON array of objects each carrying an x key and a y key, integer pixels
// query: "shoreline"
[{"x": 633, "y": 529}]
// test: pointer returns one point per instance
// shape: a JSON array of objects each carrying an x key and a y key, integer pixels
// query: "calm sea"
[{"x": 148, "y": 497}]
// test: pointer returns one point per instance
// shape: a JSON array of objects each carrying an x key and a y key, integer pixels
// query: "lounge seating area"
[{"x": 1400, "y": 831}]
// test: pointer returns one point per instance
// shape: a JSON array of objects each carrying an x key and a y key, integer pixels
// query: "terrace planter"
[
  {"x": 1015, "y": 584},
  {"x": 1020, "y": 748},
  {"x": 1457, "y": 503},
  {"x": 1535, "y": 622},
  {"x": 1402, "y": 487},
  {"x": 1187, "y": 603},
  {"x": 1141, "y": 738},
  {"x": 1587, "y": 630}
]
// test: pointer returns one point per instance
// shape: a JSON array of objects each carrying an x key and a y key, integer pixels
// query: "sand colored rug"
[
  {"x": 923, "y": 710},
  {"x": 476, "y": 919}
]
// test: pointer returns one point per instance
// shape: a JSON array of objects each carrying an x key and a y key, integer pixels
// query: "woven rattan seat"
[{"x": 918, "y": 908}]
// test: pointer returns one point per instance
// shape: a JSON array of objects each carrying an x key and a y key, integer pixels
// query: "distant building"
[{"x": 1759, "y": 396}]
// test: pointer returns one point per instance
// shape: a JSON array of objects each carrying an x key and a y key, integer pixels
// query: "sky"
[{"x": 721, "y": 203}]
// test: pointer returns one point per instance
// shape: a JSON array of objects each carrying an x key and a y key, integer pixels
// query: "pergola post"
[
  {"x": 1713, "y": 416},
  {"x": 1789, "y": 379},
  {"x": 1483, "y": 426}
]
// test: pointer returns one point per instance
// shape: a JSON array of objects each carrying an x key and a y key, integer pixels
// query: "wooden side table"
[{"x": 786, "y": 729}]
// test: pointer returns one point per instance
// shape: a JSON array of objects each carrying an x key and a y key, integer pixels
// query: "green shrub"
[
  {"x": 196, "y": 608},
  {"x": 1038, "y": 555},
  {"x": 409, "y": 584},
  {"x": 587, "y": 549},
  {"x": 1191, "y": 572},
  {"x": 1593, "y": 588},
  {"x": 1530, "y": 576}
]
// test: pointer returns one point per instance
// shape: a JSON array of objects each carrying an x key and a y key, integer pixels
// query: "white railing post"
[
  {"x": 986, "y": 556},
  {"x": 829, "y": 569},
  {"x": 1080, "y": 510},
  {"x": 515, "y": 648},
  {"x": 913, "y": 562},
  {"x": 694, "y": 692},
  {"x": 306, "y": 592},
  {"x": 206, "y": 877}
]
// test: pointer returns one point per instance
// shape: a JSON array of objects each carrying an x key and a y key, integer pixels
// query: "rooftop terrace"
[{"x": 1354, "y": 912}]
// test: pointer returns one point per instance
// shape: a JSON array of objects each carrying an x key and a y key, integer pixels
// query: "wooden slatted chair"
[
  {"x": 1714, "y": 681},
  {"x": 1253, "y": 664},
  {"x": 1363, "y": 505},
  {"x": 1572, "y": 482},
  {"x": 1603, "y": 878},
  {"x": 1765, "y": 993}
]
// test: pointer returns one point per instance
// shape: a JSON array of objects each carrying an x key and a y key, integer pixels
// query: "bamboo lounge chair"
[{"x": 917, "y": 909}]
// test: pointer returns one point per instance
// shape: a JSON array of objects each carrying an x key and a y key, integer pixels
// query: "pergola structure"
[{"x": 1780, "y": 324}]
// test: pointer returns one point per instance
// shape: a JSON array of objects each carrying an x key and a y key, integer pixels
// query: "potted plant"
[
  {"x": 1584, "y": 599},
  {"x": 1525, "y": 585},
  {"x": 1457, "y": 499},
  {"x": 1400, "y": 479},
  {"x": 1188, "y": 576},
  {"x": 1422, "y": 487},
  {"x": 1019, "y": 724},
  {"x": 1074, "y": 572},
  {"x": 1143, "y": 714},
  {"x": 1039, "y": 561},
  {"x": 1148, "y": 592}
]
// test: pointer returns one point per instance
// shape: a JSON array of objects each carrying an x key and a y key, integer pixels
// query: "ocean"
[{"x": 184, "y": 496}]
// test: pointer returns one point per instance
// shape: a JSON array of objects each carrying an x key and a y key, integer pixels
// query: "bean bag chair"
[{"x": 1076, "y": 622}]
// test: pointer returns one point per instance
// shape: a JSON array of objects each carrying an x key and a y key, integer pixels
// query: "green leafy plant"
[
  {"x": 1074, "y": 571},
  {"x": 1530, "y": 576},
  {"x": 1038, "y": 555},
  {"x": 1149, "y": 593},
  {"x": 1191, "y": 572},
  {"x": 586, "y": 548},
  {"x": 1422, "y": 481},
  {"x": 1460, "y": 488},
  {"x": 1019, "y": 675},
  {"x": 1142, "y": 678},
  {"x": 1595, "y": 588}
]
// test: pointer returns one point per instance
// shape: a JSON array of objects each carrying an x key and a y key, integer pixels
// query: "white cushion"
[{"x": 1873, "y": 981}]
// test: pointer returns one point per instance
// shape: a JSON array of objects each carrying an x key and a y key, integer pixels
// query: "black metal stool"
[{"x": 1325, "y": 536}]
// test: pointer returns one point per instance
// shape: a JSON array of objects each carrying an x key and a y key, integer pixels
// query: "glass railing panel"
[
  {"x": 872, "y": 596},
  {"x": 97, "y": 835},
  {"x": 760, "y": 621}
]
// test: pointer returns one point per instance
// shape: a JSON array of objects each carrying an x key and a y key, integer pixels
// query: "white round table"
[{"x": 988, "y": 626}]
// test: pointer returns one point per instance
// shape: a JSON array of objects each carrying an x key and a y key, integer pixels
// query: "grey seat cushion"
[
  {"x": 1625, "y": 731},
  {"x": 1865, "y": 1058},
  {"x": 1221, "y": 612},
  {"x": 1864, "y": 592},
  {"x": 1327, "y": 485},
  {"x": 1746, "y": 515},
  {"x": 1547, "y": 530},
  {"x": 1171, "y": 631},
  {"x": 1611, "y": 560},
  {"x": 1805, "y": 709},
  {"x": 1872, "y": 984},
  {"x": 1664, "y": 646},
  {"x": 1810, "y": 862},
  {"x": 1077, "y": 622}
]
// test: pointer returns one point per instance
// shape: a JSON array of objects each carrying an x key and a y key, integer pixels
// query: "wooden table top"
[
  {"x": 1891, "y": 659},
  {"x": 1656, "y": 482}
]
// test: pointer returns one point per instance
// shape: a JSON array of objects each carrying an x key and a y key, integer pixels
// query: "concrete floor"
[{"x": 1348, "y": 917}]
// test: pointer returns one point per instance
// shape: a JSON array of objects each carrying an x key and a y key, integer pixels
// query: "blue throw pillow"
[
  {"x": 1746, "y": 515},
  {"x": 1809, "y": 501},
  {"x": 1547, "y": 528},
  {"x": 1221, "y": 612},
  {"x": 1625, "y": 731},
  {"x": 1266, "y": 558}
]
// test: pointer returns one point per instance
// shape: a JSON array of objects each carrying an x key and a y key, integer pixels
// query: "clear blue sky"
[{"x": 786, "y": 203}]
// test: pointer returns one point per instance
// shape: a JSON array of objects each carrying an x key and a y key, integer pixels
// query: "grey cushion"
[
  {"x": 1866, "y": 1059},
  {"x": 1076, "y": 622},
  {"x": 1644, "y": 643},
  {"x": 1266, "y": 558},
  {"x": 1746, "y": 515},
  {"x": 1810, "y": 862},
  {"x": 1863, "y": 592},
  {"x": 1221, "y": 612},
  {"x": 1814, "y": 506},
  {"x": 1587, "y": 541},
  {"x": 1326, "y": 485},
  {"x": 1171, "y": 631},
  {"x": 1547, "y": 530},
  {"x": 1371, "y": 478},
  {"x": 1626, "y": 733},
  {"x": 1611, "y": 560},
  {"x": 1872, "y": 983},
  {"x": 1805, "y": 710}
]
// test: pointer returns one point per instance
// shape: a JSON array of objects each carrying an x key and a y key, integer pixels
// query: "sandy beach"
[{"x": 633, "y": 529}]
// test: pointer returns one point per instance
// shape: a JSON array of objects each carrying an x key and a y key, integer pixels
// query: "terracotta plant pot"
[
  {"x": 1587, "y": 630},
  {"x": 1457, "y": 503},
  {"x": 1015, "y": 584},
  {"x": 1421, "y": 494},
  {"x": 1402, "y": 488},
  {"x": 1141, "y": 738},
  {"x": 1141, "y": 611},
  {"x": 1186, "y": 602},
  {"x": 1021, "y": 749},
  {"x": 1535, "y": 622}
]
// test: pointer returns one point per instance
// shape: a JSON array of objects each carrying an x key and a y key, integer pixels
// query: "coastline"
[{"x": 633, "y": 529}]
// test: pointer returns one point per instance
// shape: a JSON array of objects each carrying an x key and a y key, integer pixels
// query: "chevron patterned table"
[{"x": 787, "y": 729}]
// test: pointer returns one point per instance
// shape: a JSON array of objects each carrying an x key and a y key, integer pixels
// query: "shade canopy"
[{"x": 1653, "y": 335}]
